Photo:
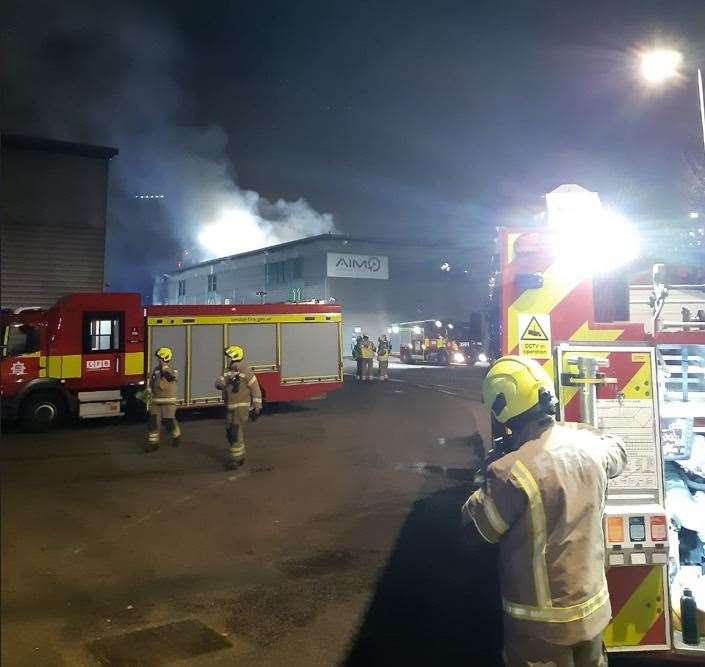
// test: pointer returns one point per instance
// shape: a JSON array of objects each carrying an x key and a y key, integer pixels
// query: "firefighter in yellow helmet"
[
  {"x": 162, "y": 400},
  {"x": 542, "y": 501},
  {"x": 242, "y": 396},
  {"x": 367, "y": 352}
]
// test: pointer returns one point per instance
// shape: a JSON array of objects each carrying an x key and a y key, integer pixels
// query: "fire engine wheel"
[{"x": 42, "y": 411}]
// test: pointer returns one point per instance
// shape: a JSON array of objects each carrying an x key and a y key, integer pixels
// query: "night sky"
[{"x": 428, "y": 120}]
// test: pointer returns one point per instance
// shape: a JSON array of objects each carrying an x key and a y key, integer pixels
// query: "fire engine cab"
[
  {"x": 89, "y": 354},
  {"x": 627, "y": 356}
]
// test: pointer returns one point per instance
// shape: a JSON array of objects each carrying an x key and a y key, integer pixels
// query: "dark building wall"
[{"x": 53, "y": 201}]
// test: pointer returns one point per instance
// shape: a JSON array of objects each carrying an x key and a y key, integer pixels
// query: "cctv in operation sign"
[{"x": 345, "y": 265}]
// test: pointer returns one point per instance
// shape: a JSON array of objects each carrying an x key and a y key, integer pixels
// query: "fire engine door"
[
  {"x": 103, "y": 348},
  {"x": 23, "y": 354},
  {"x": 614, "y": 388}
]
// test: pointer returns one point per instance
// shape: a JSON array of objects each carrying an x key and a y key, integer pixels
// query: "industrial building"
[
  {"x": 53, "y": 203},
  {"x": 377, "y": 282}
]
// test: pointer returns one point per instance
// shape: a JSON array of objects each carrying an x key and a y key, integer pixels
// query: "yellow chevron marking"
[
  {"x": 640, "y": 385},
  {"x": 586, "y": 334},
  {"x": 639, "y": 614},
  {"x": 556, "y": 287}
]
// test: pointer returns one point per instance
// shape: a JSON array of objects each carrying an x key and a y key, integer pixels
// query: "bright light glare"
[
  {"x": 604, "y": 245},
  {"x": 395, "y": 329},
  {"x": 694, "y": 215},
  {"x": 450, "y": 325},
  {"x": 417, "y": 330},
  {"x": 458, "y": 358},
  {"x": 439, "y": 324},
  {"x": 234, "y": 230},
  {"x": 482, "y": 358},
  {"x": 659, "y": 66}
]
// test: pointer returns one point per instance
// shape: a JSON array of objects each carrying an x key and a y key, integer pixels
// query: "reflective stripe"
[
  {"x": 252, "y": 380},
  {"x": 164, "y": 401},
  {"x": 557, "y": 614},
  {"x": 153, "y": 437},
  {"x": 538, "y": 528},
  {"x": 485, "y": 534},
  {"x": 493, "y": 515},
  {"x": 232, "y": 406}
]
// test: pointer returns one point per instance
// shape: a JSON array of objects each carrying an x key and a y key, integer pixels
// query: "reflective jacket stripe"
[
  {"x": 493, "y": 515},
  {"x": 164, "y": 401},
  {"x": 557, "y": 614},
  {"x": 232, "y": 406},
  {"x": 475, "y": 510},
  {"x": 252, "y": 380},
  {"x": 538, "y": 529}
]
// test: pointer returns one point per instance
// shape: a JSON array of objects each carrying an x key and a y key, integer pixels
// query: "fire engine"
[
  {"x": 90, "y": 353},
  {"x": 435, "y": 342},
  {"x": 629, "y": 359}
]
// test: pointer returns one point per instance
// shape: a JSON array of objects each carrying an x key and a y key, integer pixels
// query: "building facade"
[
  {"x": 376, "y": 282},
  {"x": 53, "y": 204}
]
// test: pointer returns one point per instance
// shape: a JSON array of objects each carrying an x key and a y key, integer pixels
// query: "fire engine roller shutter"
[
  {"x": 175, "y": 338},
  {"x": 258, "y": 340},
  {"x": 310, "y": 351},
  {"x": 207, "y": 360}
]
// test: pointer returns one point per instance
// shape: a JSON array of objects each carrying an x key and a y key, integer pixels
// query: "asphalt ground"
[{"x": 338, "y": 543}]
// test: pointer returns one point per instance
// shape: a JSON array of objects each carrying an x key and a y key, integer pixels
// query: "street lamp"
[{"x": 661, "y": 65}]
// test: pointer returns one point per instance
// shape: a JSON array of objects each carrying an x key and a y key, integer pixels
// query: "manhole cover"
[{"x": 157, "y": 646}]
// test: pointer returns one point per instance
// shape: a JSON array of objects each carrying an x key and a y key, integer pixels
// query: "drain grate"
[{"x": 158, "y": 645}]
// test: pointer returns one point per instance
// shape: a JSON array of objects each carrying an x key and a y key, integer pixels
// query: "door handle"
[{"x": 117, "y": 363}]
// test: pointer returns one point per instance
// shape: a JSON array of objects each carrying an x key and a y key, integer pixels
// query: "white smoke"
[{"x": 112, "y": 75}]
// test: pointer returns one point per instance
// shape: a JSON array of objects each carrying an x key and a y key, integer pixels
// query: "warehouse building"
[
  {"x": 377, "y": 282},
  {"x": 53, "y": 203}
]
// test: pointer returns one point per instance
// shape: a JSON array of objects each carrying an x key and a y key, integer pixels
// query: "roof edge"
[{"x": 23, "y": 142}]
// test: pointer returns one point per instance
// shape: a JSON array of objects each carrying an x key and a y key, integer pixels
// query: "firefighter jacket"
[
  {"x": 544, "y": 504},
  {"x": 367, "y": 349},
  {"x": 162, "y": 383},
  {"x": 240, "y": 388},
  {"x": 383, "y": 351}
]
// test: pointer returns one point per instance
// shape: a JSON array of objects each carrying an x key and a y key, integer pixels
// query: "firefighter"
[
  {"x": 162, "y": 400},
  {"x": 367, "y": 350},
  {"x": 542, "y": 501},
  {"x": 357, "y": 356},
  {"x": 383, "y": 349},
  {"x": 242, "y": 396}
]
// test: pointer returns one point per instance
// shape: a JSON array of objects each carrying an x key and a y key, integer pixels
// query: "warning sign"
[{"x": 535, "y": 339}]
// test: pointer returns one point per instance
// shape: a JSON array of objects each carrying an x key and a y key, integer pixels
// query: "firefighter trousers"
[
  {"x": 383, "y": 369},
  {"x": 524, "y": 651},
  {"x": 366, "y": 369},
  {"x": 157, "y": 415},
  {"x": 235, "y": 432},
  {"x": 359, "y": 368}
]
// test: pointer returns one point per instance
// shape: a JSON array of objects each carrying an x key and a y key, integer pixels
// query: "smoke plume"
[{"x": 112, "y": 75}]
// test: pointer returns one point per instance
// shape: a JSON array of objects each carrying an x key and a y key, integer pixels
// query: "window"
[
  {"x": 212, "y": 282},
  {"x": 22, "y": 339},
  {"x": 182, "y": 288},
  {"x": 101, "y": 332},
  {"x": 284, "y": 272}
]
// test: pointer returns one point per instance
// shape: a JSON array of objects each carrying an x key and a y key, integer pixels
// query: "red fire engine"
[
  {"x": 90, "y": 353},
  {"x": 636, "y": 369}
]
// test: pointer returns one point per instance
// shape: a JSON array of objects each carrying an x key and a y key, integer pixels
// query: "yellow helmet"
[
  {"x": 518, "y": 387},
  {"x": 165, "y": 354},
  {"x": 234, "y": 353}
]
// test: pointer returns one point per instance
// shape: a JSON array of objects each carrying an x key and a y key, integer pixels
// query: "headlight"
[
  {"x": 482, "y": 358},
  {"x": 459, "y": 358}
]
